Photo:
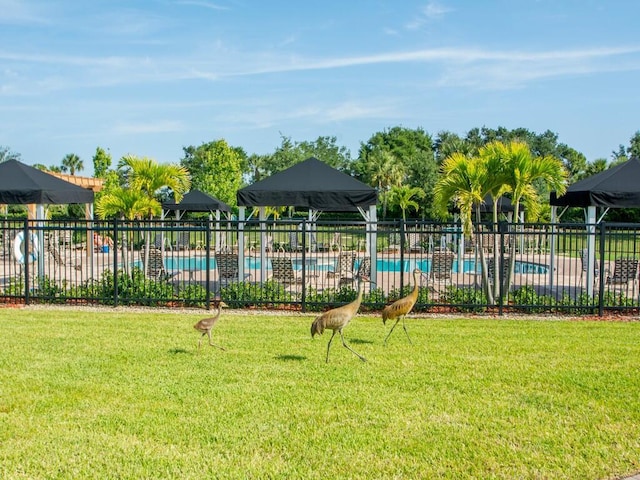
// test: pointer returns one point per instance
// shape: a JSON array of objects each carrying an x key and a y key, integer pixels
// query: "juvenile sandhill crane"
[
  {"x": 401, "y": 307},
  {"x": 338, "y": 318},
  {"x": 206, "y": 324}
]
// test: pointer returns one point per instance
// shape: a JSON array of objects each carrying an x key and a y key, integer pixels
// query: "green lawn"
[{"x": 127, "y": 395}]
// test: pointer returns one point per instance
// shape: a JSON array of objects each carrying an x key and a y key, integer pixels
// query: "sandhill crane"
[
  {"x": 206, "y": 324},
  {"x": 401, "y": 307},
  {"x": 338, "y": 318}
]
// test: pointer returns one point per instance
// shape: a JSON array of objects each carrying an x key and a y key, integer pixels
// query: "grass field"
[{"x": 88, "y": 394}]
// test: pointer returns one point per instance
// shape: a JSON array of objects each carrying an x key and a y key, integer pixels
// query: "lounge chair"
[
  {"x": 414, "y": 242},
  {"x": 227, "y": 266},
  {"x": 294, "y": 244},
  {"x": 156, "y": 268},
  {"x": 625, "y": 270},
  {"x": 583, "y": 262},
  {"x": 344, "y": 269},
  {"x": 183, "y": 241},
  {"x": 441, "y": 268},
  {"x": 282, "y": 271},
  {"x": 506, "y": 263}
]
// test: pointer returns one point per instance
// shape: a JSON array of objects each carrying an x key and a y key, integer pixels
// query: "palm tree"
[
  {"x": 466, "y": 181},
  {"x": 404, "y": 196},
  {"x": 386, "y": 171},
  {"x": 126, "y": 204},
  {"x": 72, "y": 163},
  {"x": 523, "y": 170},
  {"x": 149, "y": 177}
]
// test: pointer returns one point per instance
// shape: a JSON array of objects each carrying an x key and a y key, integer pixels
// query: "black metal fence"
[{"x": 304, "y": 265}]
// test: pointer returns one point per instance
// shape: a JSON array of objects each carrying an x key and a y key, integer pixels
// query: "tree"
[
  {"x": 101, "y": 163},
  {"x": 385, "y": 171},
  {"x": 7, "y": 154},
  {"x": 398, "y": 156},
  {"x": 634, "y": 145},
  {"x": 216, "y": 169},
  {"x": 522, "y": 169},
  {"x": 150, "y": 177},
  {"x": 72, "y": 163},
  {"x": 405, "y": 197}
]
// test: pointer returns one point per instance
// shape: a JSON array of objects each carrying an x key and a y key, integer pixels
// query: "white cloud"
[{"x": 430, "y": 12}]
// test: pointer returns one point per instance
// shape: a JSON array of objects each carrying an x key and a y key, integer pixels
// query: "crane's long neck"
[
  {"x": 355, "y": 305},
  {"x": 414, "y": 292}
]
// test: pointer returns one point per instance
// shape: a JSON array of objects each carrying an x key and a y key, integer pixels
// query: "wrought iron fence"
[{"x": 305, "y": 265}]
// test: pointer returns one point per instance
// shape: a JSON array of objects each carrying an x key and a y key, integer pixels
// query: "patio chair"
[
  {"x": 414, "y": 242},
  {"x": 294, "y": 244},
  {"x": 183, "y": 241},
  {"x": 282, "y": 271},
  {"x": 344, "y": 269},
  {"x": 156, "y": 268},
  {"x": 364, "y": 267},
  {"x": 506, "y": 263},
  {"x": 227, "y": 266},
  {"x": 625, "y": 270},
  {"x": 583, "y": 262},
  {"x": 441, "y": 268},
  {"x": 58, "y": 258}
]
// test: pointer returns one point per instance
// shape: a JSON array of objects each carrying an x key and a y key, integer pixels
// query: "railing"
[{"x": 305, "y": 265}]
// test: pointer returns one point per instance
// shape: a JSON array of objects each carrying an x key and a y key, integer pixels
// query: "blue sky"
[{"x": 150, "y": 77}]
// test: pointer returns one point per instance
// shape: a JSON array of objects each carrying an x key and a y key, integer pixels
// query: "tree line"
[{"x": 404, "y": 164}]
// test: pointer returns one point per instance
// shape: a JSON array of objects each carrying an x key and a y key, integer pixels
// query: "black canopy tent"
[
  {"x": 314, "y": 185},
  {"x": 615, "y": 187},
  {"x": 22, "y": 184},
  {"x": 197, "y": 201},
  {"x": 310, "y": 184}
]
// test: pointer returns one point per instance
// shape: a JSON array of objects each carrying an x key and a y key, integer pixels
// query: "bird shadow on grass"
[
  {"x": 177, "y": 350},
  {"x": 360, "y": 341},
  {"x": 289, "y": 357}
]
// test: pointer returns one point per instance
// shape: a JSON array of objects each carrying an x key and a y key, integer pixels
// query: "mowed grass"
[{"x": 127, "y": 395}]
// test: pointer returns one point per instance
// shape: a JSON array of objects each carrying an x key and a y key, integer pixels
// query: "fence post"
[
  {"x": 115, "y": 262},
  {"x": 601, "y": 244},
  {"x": 498, "y": 275},
  {"x": 402, "y": 227},
  {"x": 25, "y": 231},
  {"x": 207, "y": 275},
  {"x": 304, "y": 266}
]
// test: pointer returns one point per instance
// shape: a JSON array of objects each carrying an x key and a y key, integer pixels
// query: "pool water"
[{"x": 383, "y": 265}]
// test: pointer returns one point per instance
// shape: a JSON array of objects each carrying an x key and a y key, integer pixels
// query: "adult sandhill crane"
[
  {"x": 206, "y": 324},
  {"x": 338, "y": 318},
  {"x": 401, "y": 307}
]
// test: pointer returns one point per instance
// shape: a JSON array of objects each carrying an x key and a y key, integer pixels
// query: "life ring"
[{"x": 19, "y": 246}]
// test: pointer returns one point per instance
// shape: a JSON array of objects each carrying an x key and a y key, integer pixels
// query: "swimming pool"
[{"x": 469, "y": 265}]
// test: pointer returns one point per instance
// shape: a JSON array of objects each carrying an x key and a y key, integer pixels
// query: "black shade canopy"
[
  {"x": 309, "y": 184},
  {"x": 197, "y": 201},
  {"x": 616, "y": 187},
  {"x": 21, "y": 184}
]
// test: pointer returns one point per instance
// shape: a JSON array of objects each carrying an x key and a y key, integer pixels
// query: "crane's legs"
[
  {"x": 406, "y": 331},
  {"x": 390, "y": 331},
  {"x": 352, "y": 350},
  {"x": 394, "y": 326},
  {"x": 210, "y": 341},
  {"x": 345, "y": 345},
  {"x": 213, "y": 344},
  {"x": 329, "y": 345}
]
